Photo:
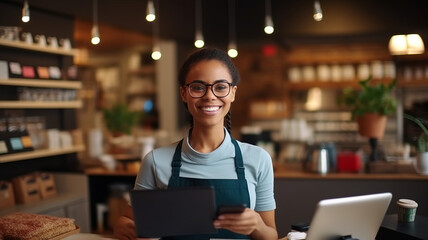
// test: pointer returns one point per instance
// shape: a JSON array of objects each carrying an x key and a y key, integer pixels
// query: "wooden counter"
[
  {"x": 297, "y": 192},
  {"x": 283, "y": 171}
]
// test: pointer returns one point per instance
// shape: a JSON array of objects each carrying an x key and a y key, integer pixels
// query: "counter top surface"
[{"x": 282, "y": 171}]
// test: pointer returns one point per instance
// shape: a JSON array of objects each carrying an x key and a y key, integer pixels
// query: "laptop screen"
[{"x": 358, "y": 216}]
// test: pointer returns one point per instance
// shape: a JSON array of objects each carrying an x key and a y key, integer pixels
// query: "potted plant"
[
  {"x": 370, "y": 107},
  {"x": 421, "y": 163},
  {"x": 119, "y": 121}
]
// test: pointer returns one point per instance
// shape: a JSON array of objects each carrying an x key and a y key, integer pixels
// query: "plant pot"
[
  {"x": 421, "y": 163},
  {"x": 372, "y": 125}
]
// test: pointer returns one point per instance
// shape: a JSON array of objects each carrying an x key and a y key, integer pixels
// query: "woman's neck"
[{"x": 206, "y": 140}]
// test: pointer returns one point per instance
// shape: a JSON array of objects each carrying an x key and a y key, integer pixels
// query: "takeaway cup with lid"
[{"x": 406, "y": 210}]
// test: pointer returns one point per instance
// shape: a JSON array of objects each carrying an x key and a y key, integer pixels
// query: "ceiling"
[{"x": 344, "y": 20}]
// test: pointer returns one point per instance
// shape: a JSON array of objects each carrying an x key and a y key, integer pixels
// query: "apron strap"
[
  {"x": 176, "y": 164},
  {"x": 239, "y": 163}
]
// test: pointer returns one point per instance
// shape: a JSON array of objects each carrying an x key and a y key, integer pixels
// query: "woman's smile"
[{"x": 210, "y": 109}]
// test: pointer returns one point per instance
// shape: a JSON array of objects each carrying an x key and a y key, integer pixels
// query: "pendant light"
[
  {"x": 199, "y": 38},
  {"x": 268, "y": 18},
  {"x": 95, "y": 31},
  {"x": 317, "y": 11},
  {"x": 156, "y": 51},
  {"x": 232, "y": 50},
  {"x": 26, "y": 12},
  {"x": 406, "y": 44},
  {"x": 151, "y": 13}
]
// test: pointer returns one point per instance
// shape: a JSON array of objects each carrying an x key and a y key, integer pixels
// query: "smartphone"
[
  {"x": 301, "y": 227},
  {"x": 231, "y": 208}
]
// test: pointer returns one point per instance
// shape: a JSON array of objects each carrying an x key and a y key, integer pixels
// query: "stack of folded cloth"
[{"x": 28, "y": 226}]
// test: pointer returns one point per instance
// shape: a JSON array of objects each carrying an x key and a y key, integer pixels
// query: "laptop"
[
  {"x": 358, "y": 217},
  {"x": 174, "y": 212}
]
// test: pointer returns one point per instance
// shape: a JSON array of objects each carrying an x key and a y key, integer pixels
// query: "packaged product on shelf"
[
  {"x": 43, "y": 72},
  {"x": 18, "y": 139},
  {"x": 54, "y": 72},
  {"x": 53, "y": 139},
  {"x": 4, "y": 73},
  {"x": 3, "y": 136},
  {"x": 65, "y": 139},
  {"x": 15, "y": 70}
]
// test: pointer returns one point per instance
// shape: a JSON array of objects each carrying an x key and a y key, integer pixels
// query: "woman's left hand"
[{"x": 244, "y": 223}]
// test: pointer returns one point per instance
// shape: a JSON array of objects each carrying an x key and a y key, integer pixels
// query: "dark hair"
[
  {"x": 204, "y": 55},
  {"x": 208, "y": 54}
]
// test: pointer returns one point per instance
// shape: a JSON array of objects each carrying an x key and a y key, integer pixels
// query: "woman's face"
[{"x": 208, "y": 110}]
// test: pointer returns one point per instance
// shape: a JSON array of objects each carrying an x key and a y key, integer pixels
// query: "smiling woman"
[{"x": 240, "y": 173}]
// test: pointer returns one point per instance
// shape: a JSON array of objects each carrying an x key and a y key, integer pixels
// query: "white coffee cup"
[
  {"x": 27, "y": 37},
  {"x": 53, "y": 42},
  {"x": 421, "y": 163},
  {"x": 41, "y": 40},
  {"x": 65, "y": 43}
]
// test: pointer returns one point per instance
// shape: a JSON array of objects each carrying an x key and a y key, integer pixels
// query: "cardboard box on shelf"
[
  {"x": 47, "y": 185},
  {"x": 7, "y": 197},
  {"x": 26, "y": 188}
]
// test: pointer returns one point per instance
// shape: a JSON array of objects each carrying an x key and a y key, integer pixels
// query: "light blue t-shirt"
[{"x": 155, "y": 171}]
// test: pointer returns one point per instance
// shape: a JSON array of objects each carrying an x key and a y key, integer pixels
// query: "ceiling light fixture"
[
  {"x": 268, "y": 18},
  {"x": 406, "y": 44},
  {"x": 150, "y": 13},
  {"x": 156, "y": 51},
  {"x": 317, "y": 11},
  {"x": 26, "y": 12},
  {"x": 232, "y": 50},
  {"x": 95, "y": 31},
  {"x": 199, "y": 38}
]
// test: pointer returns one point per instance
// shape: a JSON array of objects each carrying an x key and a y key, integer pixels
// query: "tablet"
[
  {"x": 357, "y": 216},
  {"x": 174, "y": 212}
]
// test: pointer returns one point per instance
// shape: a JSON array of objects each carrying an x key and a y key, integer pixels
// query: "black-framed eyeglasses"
[{"x": 199, "y": 89}]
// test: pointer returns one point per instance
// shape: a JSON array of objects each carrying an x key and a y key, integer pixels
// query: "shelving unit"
[
  {"x": 141, "y": 90},
  {"x": 40, "y": 83},
  {"x": 56, "y": 108}
]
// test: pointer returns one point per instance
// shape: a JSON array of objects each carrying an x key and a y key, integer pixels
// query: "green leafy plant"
[
  {"x": 377, "y": 99},
  {"x": 119, "y": 119},
  {"x": 422, "y": 141}
]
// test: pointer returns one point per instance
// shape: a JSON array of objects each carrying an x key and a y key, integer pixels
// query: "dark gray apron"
[{"x": 227, "y": 191}]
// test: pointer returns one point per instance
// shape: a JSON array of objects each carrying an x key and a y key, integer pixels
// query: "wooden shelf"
[
  {"x": 40, "y": 104},
  {"x": 414, "y": 83},
  {"x": 34, "y": 47},
  {"x": 39, "y": 153},
  {"x": 331, "y": 84},
  {"x": 41, "y": 83}
]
